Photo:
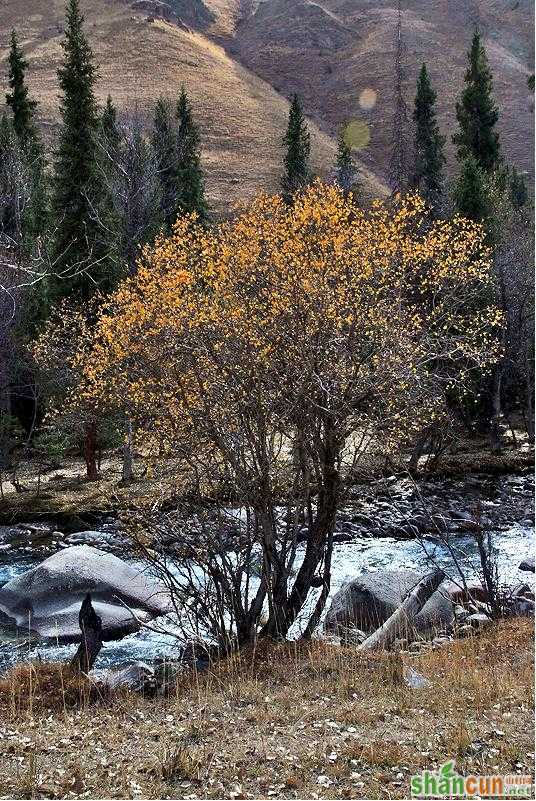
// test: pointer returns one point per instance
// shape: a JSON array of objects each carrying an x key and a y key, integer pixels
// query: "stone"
[
  {"x": 370, "y": 599},
  {"x": 414, "y": 679},
  {"x": 527, "y": 564},
  {"x": 46, "y": 600},
  {"x": 138, "y": 677},
  {"x": 478, "y": 620}
]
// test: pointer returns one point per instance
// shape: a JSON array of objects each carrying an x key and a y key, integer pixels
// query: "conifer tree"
[
  {"x": 345, "y": 168},
  {"x": 429, "y": 156},
  {"x": 165, "y": 144},
  {"x": 471, "y": 192},
  {"x": 477, "y": 112},
  {"x": 17, "y": 99},
  {"x": 35, "y": 213},
  {"x": 108, "y": 123},
  {"x": 298, "y": 149},
  {"x": 190, "y": 183},
  {"x": 76, "y": 255}
]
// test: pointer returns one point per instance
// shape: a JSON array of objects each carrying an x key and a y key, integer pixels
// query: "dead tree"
[
  {"x": 412, "y": 604},
  {"x": 91, "y": 642},
  {"x": 398, "y": 164}
]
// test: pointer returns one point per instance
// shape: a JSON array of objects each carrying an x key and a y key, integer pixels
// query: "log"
[
  {"x": 91, "y": 642},
  {"x": 412, "y": 604}
]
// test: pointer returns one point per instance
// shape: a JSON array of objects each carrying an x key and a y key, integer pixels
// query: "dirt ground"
[{"x": 313, "y": 721}]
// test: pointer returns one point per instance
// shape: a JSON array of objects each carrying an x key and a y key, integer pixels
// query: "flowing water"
[{"x": 363, "y": 552}]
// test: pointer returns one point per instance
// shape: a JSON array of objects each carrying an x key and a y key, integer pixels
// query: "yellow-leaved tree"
[{"x": 270, "y": 353}]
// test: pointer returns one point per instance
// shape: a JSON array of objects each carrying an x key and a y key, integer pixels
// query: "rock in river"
[
  {"x": 368, "y": 600},
  {"x": 46, "y": 600}
]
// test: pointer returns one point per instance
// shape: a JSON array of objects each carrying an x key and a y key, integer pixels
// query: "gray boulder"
[
  {"x": 527, "y": 564},
  {"x": 138, "y": 677},
  {"x": 46, "y": 600},
  {"x": 370, "y": 599}
]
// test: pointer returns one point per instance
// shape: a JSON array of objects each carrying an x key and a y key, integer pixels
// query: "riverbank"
[
  {"x": 64, "y": 495},
  {"x": 291, "y": 722}
]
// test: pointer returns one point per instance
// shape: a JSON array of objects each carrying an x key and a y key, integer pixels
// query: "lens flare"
[
  {"x": 357, "y": 134},
  {"x": 367, "y": 99}
]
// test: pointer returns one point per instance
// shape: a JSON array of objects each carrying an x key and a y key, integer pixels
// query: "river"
[{"x": 507, "y": 503}]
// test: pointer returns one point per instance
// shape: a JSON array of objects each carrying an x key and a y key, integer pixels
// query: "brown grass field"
[{"x": 313, "y": 721}]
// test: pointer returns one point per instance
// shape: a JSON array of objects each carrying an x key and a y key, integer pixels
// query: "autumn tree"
[
  {"x": 267, "y": 355},
  {"x": 297, "y": 142}
]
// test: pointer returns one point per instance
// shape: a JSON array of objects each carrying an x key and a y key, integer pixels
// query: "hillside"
[
  {"x": 241, "y": 116},
  {"x": 338, "y": 54},
  {"x": 242, "y": 59}
]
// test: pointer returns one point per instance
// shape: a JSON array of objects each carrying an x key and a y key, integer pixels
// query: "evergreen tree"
[
  {"x": 75, "y": 249},
  {"x": 477, "y": 112},
  {"x": 105, "y": 188},
  {"x": 471, "y": 192},
  {"x": 108, "y": 124},
  {"x": 10, "y": 182},
  {"x": 22, "y": 107},
  {"x": 345, "y": 168},
  {"x": 166, "y": 148},
  {"x": 35, "y": 212},
  {"x": 191, "y": 189},
  {"x": 298, "y": 149},
  {"x": 429, "y": 156}
]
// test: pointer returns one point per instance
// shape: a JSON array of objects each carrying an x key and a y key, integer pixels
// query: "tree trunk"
[
  {"x": 128, "y": 455},
  {"x": 319, "y": 534},
  {"x": 495, "y": 432},
  {"x": 90, "y": 451},
  {"x": 401, "y": 619},
  {"x": 91, "y": 642}
]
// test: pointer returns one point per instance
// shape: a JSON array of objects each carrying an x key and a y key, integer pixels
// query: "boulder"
[
  {"x": 527, "y": 564},
  {"x": 138, "y": 677},
  {"x": 368, "y": 600},
  {"x": 46, "y": 600}
]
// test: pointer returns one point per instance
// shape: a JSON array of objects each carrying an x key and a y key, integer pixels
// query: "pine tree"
[
  {"x": 76, "y": 254},
  {"x": 165, "y": 145},
  {"x": 105, "y": 188},
  {"x": 345, "y": 168},
  {"x": 10, "y": 175},
  {"x": 35, "y": 213},
  {"x": 190, "y": 183},
  {"x": 477, "y": 112},
  {"x": 108, "y": 124},
  {"x": 21, "y": 106},
  {"x": 298, "y": 149},
  {"x": 471, "y": 192},
  {"x": 429, "y": 156}
]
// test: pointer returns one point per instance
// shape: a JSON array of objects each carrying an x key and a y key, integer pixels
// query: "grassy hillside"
[
  {"x": 312, "y": 721},
  {"x": 242, "y": 118},
  {"x": 337, "y": 53}
]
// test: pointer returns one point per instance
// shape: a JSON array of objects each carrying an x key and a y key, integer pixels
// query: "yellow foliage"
[{"x": 287, "y": 316}]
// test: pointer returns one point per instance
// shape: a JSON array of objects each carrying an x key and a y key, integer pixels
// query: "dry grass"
[
  {"x": 242, "y": 118},
  {"x": 285, "y": 722}
]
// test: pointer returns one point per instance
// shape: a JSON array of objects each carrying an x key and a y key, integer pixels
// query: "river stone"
[
  {"x": 46, "y": 600},
  {"x": 368, "y": 600},
  {"x": 527, "y": 564}
]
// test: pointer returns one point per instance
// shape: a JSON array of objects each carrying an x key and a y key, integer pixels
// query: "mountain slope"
[
  {"x": 141, "y": 56},
  {"x": 334, "y": 52}
]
